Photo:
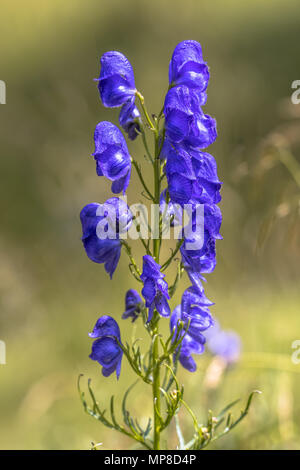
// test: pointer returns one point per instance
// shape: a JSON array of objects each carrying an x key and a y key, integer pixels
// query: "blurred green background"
[{"x": 51, "y": 294}]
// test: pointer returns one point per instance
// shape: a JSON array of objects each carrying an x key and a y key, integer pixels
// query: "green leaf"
[
  {"x": 124, "y": 410},
  {"x": 227, "y": 408}
]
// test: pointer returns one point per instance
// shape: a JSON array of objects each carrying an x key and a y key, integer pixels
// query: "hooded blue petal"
[
  {"x": 193, "y": 297},
  {"x": 183, "y": 163},
  {"x": 112, "y": 155},
  {"x": 107, "y": 134},
  {"x": 185, "y": 121},
  {"x": 105, "y": 326},
  {"x": 187, "y": 66},
  {"x": 116, "y": 82},
  {"x": 106, "y": 349},
  {"x": 150, "y": 269}
]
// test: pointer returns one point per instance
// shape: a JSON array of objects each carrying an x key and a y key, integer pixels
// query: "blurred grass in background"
[{"x": 51, "y": 294}]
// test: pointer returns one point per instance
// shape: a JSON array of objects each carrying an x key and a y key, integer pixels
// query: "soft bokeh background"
[{"x": 51, "y": 294}]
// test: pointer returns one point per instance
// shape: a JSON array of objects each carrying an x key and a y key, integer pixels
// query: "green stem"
[
  {"x": 174, "y": 253},
  {"x": 142, "y": 101},
  {"x": 132, "y": 260},
  {"x": 138, "y": 170},
  {"x": 156, "y": 364},
  {"x": 145, "y": 142},
  {"x": 156, "y": 250},
  {"x": 156, "y": 394}
]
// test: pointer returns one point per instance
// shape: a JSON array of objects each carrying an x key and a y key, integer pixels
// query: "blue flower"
[
  {"x": 108, "y": 220},
  {"x": 182, "y": 183},
  {"x": 105, "y": 326},
  {"x": 185, "y": 121},
  {"x": 202, "y": 228},
  {"x": 195, "y": 304},
  {"x": 212, "y": 221},
  {"x": 205, "y": 169},
  {"x": 196, "y": 265},
  {"x": 195, "y": 315},
  {"x": 133, "y": 305},
  {"x": 116, "y": 86},
  {"x": 198, "y": 250},
  {"x": 129, "y": 119},
  {"x": 155, "y": 290},
  {"x": 106, "y": 349},
  {"x": 116, "y": 82},
  {"x": 112, "y": 156},
  {"x": 187, "y": 66},
  {"x": 224, "y": 343},
  {"x": 192, "y": 175},
  {"x": 193, "y": 341}
]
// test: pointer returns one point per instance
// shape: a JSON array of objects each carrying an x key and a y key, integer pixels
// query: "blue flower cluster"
[
  {"x": 117, "y": 88},
  {"x": 192, "y": 179},
  {"x": 191, "y": 172},
  {"x": 196, "y": 318},
  {"x": 191, "y": 175}
]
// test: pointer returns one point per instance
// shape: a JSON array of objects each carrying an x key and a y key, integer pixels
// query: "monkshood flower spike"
[{"x": 185, "y": 193}]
